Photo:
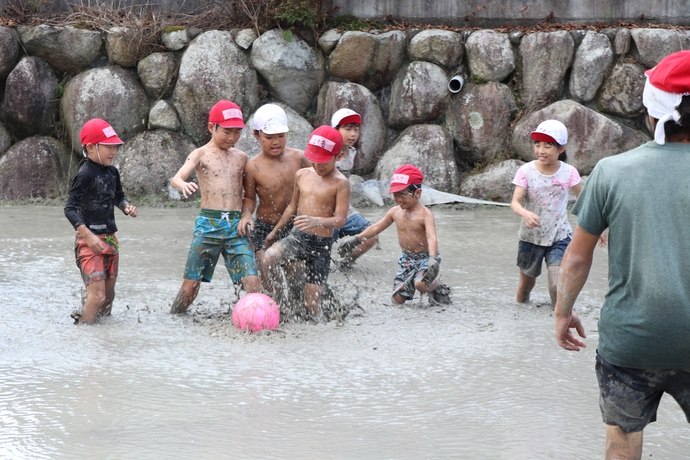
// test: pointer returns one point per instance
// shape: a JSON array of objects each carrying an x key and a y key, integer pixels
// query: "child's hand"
[
  {"x": 96, "y": 244},
  {"x": 244, "y": 223},
  {"x": 131, "y": 210},
  {"x": 189, "y": 188},
  {"x": 431, "y": 272},
  {"x": 306, "y": 222},
  {"x": 348, "y": 245},
  {"x": 603, "y": 239},
  {"x": 269, "y": 240},
  {"x": 531, "y": 219}
]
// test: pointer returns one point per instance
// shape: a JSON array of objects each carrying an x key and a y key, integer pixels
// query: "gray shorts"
[
  {"x": 314, "y": 250},
  {"x": 261, "y": 231}
]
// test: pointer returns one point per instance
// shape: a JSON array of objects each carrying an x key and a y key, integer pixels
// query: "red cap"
[
  {"x": 672, "y": 73},
  {"x": 226, "y": 114},
  {"x": 324, "y": 143},
  {"x": 97, "y": 131},
  {"x": 405, "y": 176}
]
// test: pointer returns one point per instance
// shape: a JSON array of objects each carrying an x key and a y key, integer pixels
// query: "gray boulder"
[
  {"x": 621, "y": 44},
  {"x": 164, "y": 116},
  {"x": 157, "y": 73},
  {"x": 335, "y": 96},
  {"x": 245, "y": 38},
  {"x": 111, "y": 93},
  {"x": 33, "y": 168},
  {"x": 149, "y": 160},
  {"x": 212, "y": 68},
  {"x": 592, "y": 61},
  {"x": 329, "y": 40},
  {"x": 297, "y": 137},
  {"x": 655, "y": 44},
  {"x": 65, "y": 48},
  {"x": 490, "y": 55},
  {"x": 291, "y": 69},
  {"x": 441, "y": 47},
  {"x": 419, "y": 94},
  {"x": 546, "y": 58},
  {"x": 591, "y": 136},
  {"x": 578, "y": 36},
  {"x": 479, "y": 120},
  {"x": 175, "y": 40},
  {"x": 5, "y": 139},
  {"x": 429, "y": 148},
  {"x": 368, "y": 59},
  {"x": 31, "y": 97},
  {"x": 622, "y": 92},
  {"x": 124, "y": 46},
  {"x": 494, "y": 184},
  {"x": 9, "y": 50}
]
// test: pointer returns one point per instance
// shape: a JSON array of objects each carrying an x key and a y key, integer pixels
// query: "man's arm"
[{"x": 572, "y": 276}]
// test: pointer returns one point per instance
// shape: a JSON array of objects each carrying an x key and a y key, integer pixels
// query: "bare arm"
[
  {"x": 571, "y": 278},
  {"x": 531, "y": 219},
  {"x": 378, "y": 227},
  {"x": 248, "y": 202},
  {"x": 430, "y": 226},
  {"x": 179, "y": 181},
  {"x": 290, "y": 211}
]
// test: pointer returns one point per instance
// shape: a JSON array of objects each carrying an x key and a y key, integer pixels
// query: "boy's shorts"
[
  {"x": 314, "y": 250},
  {"x": 629, "y": 398},
  {"x": 213, "y": 236},
  {"x": 97, "y": 267},
  {"x": 530, "y": 256},
  {"x": 354, "y": 225},
  {"x": 409, "y": 264},
  {"x": 261, "y": 231}
]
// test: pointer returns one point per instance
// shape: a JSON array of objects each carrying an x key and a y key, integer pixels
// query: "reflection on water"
[{"x": 482, "y": 378}]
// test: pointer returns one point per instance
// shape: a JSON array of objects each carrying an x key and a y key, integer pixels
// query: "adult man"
[{"x": 642, "y": 196}]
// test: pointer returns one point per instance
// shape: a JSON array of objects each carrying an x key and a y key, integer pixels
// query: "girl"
[{"x": 544, "y": 231}]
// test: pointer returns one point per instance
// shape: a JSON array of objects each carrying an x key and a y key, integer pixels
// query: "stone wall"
[{"x": 398, "y": 81}]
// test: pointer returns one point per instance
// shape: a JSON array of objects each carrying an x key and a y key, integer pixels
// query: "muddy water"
[{"x": 482, "y": 378}]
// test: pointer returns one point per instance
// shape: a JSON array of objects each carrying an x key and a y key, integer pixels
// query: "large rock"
[
  {"x": 591, "y": 136},
  {"x": 441, "y": 47},
  {"x": 419, "y": 94},
  {"x": 31, "y": 97},
  {"x": 149, "y": 160},
  {"x": 291, "y": 68},
  {"x": 622, "y": 92},
  {"x": 124, "y": 46},
  {"x": 479, "y": 120},
  {"x": 111, "y": 93},
  {"x": 175, "y": 39},
  {"x": 33, "y": 168},
  {"x": 329, "y": 40},
  {"x": 494, "y": 184},
  {"x": 592, "y": 61},
  {"x": 429, "y": 148},
  {"x": 65, "y": 48},
  {"x": 621, "y": 44},
  {"x": 371, "y": 60},
  {"x": 157, "y": 73},
  {"x": 5, "y": 139},
  {"x": 297, "y": 137},
  {"x": 655, "y": 44},
  {"x": 546, "y": 58},
  {"x": 9, "y": 50},
  {"x": 490, "y": 55},
  {"x": 335, "y": 96},
  {"x": 212, "y": 68},
  {"x": 164, "y": 116}
]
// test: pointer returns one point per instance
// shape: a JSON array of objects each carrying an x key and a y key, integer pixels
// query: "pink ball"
[{"x": 255, "y": 312}]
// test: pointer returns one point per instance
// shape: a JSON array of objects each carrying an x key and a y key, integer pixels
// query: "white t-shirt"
[
  {"x": 346, "y": 164},
  {"x": 547, "y": 196}
]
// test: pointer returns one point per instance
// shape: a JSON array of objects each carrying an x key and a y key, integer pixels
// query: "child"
[
  {"x": 348, "y": 123},
  {"x": 219, "y": 169},
  {"x": 96, "y": 190},
  {"x": 320, "y": 199},
  {"x": 271, "y": 176},
  {"x": 545, "y": 231},
  {"x": 420, "y": 261}
]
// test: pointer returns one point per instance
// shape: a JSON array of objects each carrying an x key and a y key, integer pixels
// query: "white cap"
[
  {"x": 553, "y": 129},
  {"x": 345, "y": 116},
  {"x": 271, "y": 119}
]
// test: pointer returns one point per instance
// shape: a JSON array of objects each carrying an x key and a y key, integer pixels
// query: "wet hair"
[
  {"x": 563, "y": 156},
  {"x": 683, "y": 125}
]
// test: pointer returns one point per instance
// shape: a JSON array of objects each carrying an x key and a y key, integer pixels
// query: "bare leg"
[
  {"x": 251, "y": 284},
  {"x": 270, "y": 259},
  {"x": 95, "y": 299},
  {"x": 107, "y": 306},
  {"x": 621, "y": 445},
  {"x": 187, "y": 294},
  {"x": 525, "y": 287},
  {"x": 553, "y": 283},
  {"x": 263, "y": 269},
  {"x": 422, "y": 287},
  {"x": 397, "y": 298},
  {"x": 312, "y": 296}
]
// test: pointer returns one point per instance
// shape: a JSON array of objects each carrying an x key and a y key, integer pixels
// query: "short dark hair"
[
  {"x": 672, "y": 127},
  {"x": 348, "y": 124},
  {"x": 563, "y": 156}
]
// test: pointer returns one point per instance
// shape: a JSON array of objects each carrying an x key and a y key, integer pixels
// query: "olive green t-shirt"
[{"x": 643, "y": 197}]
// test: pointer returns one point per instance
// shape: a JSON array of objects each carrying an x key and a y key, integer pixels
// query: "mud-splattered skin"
[{"x": 322, "y": 197}]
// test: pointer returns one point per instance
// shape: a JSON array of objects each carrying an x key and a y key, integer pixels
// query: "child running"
[
  {"x": 96, "y": 190},
  {"x": 420, "y": 262},
  {"x": 219, "y": 169},
  {"x": 270, "y": 175},
  {"x": 348, "y": 123},
  {"x": 545, "y": 230},
  {"x": 320, "y": 200}
]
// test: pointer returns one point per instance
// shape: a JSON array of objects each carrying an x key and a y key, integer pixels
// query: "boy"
[
  {"x": 320, "y": 199},
  {"x": 416, "y": 235},
  {"x": 219, "y": 169},
  {"x": 348, "y": 123},
  {"x": 271, "y": 176},
  {"x": 96, "y": 190}
]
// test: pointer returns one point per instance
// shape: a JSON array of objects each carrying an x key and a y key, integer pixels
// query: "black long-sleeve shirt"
[{"x": 95, "y": 191}]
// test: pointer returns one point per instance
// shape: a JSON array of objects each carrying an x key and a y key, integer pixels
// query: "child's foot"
[{"x": 441, "y": 294}]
